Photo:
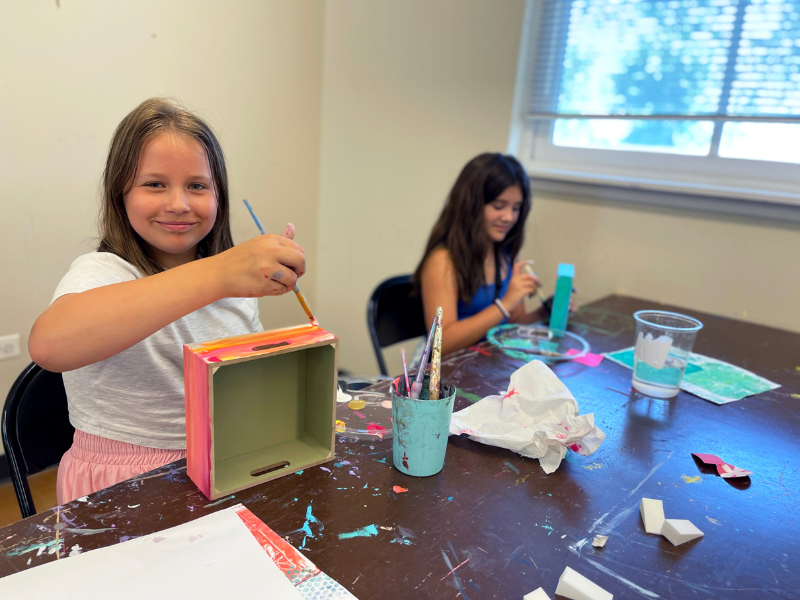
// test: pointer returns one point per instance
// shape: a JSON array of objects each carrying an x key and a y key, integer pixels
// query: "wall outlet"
[{"x": 9, "y": 346}]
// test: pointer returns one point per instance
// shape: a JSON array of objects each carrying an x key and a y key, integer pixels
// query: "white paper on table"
[
  {"x": 651, "y": 351},
  {"x": 214, "y": 557},
  {"x": 537, "y": 417}
]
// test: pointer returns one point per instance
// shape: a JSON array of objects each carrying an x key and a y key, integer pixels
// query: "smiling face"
[
  {"x": 171, "y": 202},
  {"x": 502, "y": 213}
]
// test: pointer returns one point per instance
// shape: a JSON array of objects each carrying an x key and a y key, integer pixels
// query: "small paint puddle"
[{"x": 356, "y": 404}]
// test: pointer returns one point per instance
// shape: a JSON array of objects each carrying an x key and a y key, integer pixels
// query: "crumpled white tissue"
[{"x": 537, "y": 417}]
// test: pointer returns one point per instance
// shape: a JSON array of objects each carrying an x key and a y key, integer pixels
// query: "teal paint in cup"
[{"x": 420, "y": 429}]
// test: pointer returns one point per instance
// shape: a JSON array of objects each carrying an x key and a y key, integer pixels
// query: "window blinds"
[{"x": 676, "y": 59}]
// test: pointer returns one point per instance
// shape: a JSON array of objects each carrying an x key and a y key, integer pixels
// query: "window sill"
[{"x": 735, "y": 201}]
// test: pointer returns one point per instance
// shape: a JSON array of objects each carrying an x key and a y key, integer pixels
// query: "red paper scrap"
[
  {"x": 724, "y": 469},
  {"x": 589, "y": 359},
  {"x": 709, "y": 459}
]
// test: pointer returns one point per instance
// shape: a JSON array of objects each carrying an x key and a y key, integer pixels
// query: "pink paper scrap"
[
  {"x": 709, "y": 459},
  {"x": 589, "y": 359},
  {"x": 724, "y": 469}
]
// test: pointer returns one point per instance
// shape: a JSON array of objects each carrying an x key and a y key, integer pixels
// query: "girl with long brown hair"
[
  {"x": 470, "y": 265},
  {"x": 165, "y": 273}
]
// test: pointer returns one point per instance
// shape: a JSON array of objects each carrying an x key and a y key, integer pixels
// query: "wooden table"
[{"x": 492, "y": 524}]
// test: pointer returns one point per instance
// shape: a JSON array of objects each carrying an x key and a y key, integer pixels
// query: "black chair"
[
  {"x": 394, "y": 314},
  {"x": 35, "y": 428}
]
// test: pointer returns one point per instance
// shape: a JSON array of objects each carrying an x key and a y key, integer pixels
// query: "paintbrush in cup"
[
  {"x": 405, "y": 370},
  {"x": 436, "y": 358},
  {"x": 416, "y": 387},
  {"x": 296, "y": 289},
  {"x": 528, "y": 268}
]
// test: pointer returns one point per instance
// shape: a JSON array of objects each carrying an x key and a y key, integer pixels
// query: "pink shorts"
[{"x": 94, "y": 463}]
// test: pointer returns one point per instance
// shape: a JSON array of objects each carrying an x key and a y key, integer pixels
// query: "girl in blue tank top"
[{"x": 469, "y": 266}]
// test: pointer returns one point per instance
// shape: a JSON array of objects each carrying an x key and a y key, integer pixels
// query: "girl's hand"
[
  {"x": 268, "y": 265},
  {"x": 522, "y": 284}
]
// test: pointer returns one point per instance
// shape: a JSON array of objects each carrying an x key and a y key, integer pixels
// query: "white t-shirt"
[{"x": 137, "y": 395}]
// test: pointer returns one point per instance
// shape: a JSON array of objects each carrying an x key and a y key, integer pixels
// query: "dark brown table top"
[{"x": 507, "y": 526}]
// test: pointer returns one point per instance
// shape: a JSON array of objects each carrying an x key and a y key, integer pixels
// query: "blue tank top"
[{"x": 484, "y": 296}]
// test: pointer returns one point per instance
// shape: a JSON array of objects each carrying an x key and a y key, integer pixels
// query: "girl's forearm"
[
  {"x": 466, "y": 332},
  {"x": 82, "y": 329}
]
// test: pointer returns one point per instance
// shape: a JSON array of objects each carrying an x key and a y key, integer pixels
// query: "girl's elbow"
[{"x": 40, "y": 352}]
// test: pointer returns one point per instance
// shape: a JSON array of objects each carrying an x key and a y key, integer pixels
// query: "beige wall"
[
  {"x": 68, "y": 76},
  {"x": 411, "y": 91},
  {"x": 729, "y": 266}
]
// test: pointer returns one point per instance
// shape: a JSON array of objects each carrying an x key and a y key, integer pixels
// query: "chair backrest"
[
  {"x": 394, "y": 314},
  {"x": 35, "y": 428}
]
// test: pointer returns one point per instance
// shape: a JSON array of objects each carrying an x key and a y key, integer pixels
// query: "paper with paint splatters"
[
  {"x": 222, "y": 555},
  {"x": 708, "y": 378}
]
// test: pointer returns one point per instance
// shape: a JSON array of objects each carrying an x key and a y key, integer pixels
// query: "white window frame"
[{"x": 744, "y": 187}]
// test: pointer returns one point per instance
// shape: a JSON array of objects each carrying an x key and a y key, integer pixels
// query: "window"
[{"x": 689, "y": 96}]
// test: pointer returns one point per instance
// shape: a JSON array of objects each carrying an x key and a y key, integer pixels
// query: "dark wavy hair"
[
  {"x": 460, "y": 227},
  {"x": 153, "y": 117}
]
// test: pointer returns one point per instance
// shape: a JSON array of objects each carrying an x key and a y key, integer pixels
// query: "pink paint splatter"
[
  {"x": 375, "y": 429},
  {"x": 511, "y": 392},
  {"x": 359, "y": 414}
]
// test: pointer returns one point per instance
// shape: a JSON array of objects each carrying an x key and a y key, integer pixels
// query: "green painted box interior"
[{"x": 272, "y": 409}]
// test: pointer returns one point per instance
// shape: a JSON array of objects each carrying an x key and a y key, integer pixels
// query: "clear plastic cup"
[{"x": 664, "y": 342}]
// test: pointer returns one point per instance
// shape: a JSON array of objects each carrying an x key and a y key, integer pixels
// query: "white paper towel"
[{"x": 537, "y": 417}]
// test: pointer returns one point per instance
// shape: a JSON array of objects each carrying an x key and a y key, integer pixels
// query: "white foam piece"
[
  {"x": 575, "y": 586},
  {"x": 680, "y": 531},
  {"x": 654, "y": 352},
  {"x": 652, "y": 512},
  {"x": 537, "y": 594}
]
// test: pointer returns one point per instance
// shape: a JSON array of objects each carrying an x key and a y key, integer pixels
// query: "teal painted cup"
[{"x": 420, "y": 429}]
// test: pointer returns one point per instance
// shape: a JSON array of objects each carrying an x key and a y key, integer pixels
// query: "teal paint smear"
[
  {"x": 306, "y": 528},
  {"x": 512, "y": 467},
  {"x": 469, "y": 396},
  {"x": 220, "y": 501},
  {"x": 32, "y": 547},
  {"x": 368, "y": 531}
]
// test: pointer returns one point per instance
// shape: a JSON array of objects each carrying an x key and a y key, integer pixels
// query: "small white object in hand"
[
  {"x": 652, "y": 512},
  {"x": 680, "y": 531},
  {"x": 599, "y": 541},
  {"x": 537, "y": 594},
  {"x": 575, "y": 586}
]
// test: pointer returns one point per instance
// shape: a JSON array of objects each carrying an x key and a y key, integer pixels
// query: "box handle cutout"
[
  {"x": 269, "y": 468},
  {"x": 270, "y": 346}
]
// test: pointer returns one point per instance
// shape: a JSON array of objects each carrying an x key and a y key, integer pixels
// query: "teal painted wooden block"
[{"x": 560, "y": 312}]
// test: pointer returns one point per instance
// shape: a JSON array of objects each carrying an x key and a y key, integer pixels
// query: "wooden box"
[{"x": 259, "y": 406}]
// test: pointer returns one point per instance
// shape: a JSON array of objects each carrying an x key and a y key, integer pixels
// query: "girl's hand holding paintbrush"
[
  {"x": 267, "y": 265},
  {"x": 524, "y": 282}
]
